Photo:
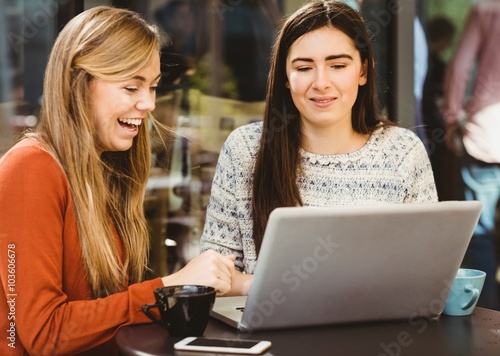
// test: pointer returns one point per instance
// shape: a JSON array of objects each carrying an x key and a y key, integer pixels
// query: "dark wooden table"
[{"x": 478, "y": 334}]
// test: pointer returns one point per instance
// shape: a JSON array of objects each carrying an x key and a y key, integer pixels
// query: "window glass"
[
  {"x": 215, "y": 63},
  {"x": 26, "y": 34}
]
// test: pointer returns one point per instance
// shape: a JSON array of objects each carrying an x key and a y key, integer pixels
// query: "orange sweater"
[{"x": 46, "y": 306}]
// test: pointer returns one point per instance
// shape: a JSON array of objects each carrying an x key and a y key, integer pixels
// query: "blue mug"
[{"x": 464, "y": 292}]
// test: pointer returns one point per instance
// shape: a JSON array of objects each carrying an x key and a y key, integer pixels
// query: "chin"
[
  {"x": 119, "y": 148},
  {"x": 125, "y": 148}
]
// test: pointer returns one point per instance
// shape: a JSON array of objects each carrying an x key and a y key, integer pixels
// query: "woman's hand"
[
  {"x": 209, "y": 269},
  {"x": 241, "y": 283}
]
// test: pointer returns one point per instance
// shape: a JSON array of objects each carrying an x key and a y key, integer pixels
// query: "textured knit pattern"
[
  {"x": 392, "y": 167},
  {"x": 55, "y": 313}
]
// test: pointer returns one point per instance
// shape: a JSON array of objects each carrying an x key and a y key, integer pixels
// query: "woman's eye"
[
  {"x": 131, "y": 89},
  {"x": 303, "y": 69},
  {"x": 153, "y": 89},
  {"x": 338, "y": 66}
]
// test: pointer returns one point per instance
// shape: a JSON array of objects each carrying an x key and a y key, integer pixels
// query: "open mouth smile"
[{"x": 130, "y": 124}]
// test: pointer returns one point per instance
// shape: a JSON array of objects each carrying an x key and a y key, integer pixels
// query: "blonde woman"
[{"x": 73, "y": 236}]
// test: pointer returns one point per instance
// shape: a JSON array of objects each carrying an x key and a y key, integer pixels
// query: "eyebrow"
[
  {"x": 328, "y": 58},
  {"x": 142, "y": 79}
]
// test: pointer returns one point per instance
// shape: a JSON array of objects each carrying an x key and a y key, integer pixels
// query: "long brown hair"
[
  {"x": 277, "y": 165},
  {"x": 108, "y": 189}
]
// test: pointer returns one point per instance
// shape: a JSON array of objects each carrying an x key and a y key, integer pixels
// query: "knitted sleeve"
[
  {"x": 419, "y": 172},
  {"x": 228, "y": 225}
]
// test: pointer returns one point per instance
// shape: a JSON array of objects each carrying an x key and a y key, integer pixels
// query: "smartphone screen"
[
  {"x": 240, "y": 344},
  {"x": 223, "y": 345}
]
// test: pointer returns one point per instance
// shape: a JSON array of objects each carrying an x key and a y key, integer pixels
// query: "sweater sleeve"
[
  {"x": 53, "y": 307},
  {"x": 221, "y": 231},
  {"x": 418, "y": 170}
]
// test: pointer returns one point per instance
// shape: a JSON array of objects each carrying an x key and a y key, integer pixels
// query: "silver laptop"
[{"x": 331, "y": 265}]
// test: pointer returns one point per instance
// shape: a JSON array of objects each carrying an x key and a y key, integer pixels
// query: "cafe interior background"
[{"x": 215, "y": 73}]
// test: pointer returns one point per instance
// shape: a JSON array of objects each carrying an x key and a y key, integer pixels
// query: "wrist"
[
  {"x": 170, "y": 280},
  {"x": 241, "y": 284}
]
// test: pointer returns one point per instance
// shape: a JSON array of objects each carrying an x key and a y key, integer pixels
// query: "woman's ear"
[
  {"x": 363, "y": 75},
  {"x": 287, "y": 84}
]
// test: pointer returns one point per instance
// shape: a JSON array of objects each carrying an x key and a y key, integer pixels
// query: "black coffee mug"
[{"x": 184, "y": 309}]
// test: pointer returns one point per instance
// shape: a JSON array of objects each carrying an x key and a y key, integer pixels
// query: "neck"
[{"x": 333, "y": 140}]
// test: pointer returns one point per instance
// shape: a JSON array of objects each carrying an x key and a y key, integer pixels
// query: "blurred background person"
[
  {"x": 440, "y": 31},
  {"x": 476, "y": 119},
  {"x": 179, "y": 53},
  {"x": 246, "y": 34}
]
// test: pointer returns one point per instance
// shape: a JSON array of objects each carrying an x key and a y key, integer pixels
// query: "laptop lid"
[{"x": 330, "y": 265}]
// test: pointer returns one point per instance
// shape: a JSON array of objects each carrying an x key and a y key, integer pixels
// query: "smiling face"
[
  {"x": 120, "y": 107},
  {"x": 324, "y": 71}
]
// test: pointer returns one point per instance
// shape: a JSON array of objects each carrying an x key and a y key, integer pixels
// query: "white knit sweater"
[{"x": 392, "y": 167}]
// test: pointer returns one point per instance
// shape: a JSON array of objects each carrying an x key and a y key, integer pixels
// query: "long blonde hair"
[{"x": 108, "y": 189}]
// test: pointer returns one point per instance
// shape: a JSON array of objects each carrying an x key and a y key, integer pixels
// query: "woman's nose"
[
  {"x": 322, "y": 80},
  {"x": 146, "y": 101}
]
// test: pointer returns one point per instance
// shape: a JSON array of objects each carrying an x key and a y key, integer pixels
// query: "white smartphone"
[{"x": 235, "y": 346}]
